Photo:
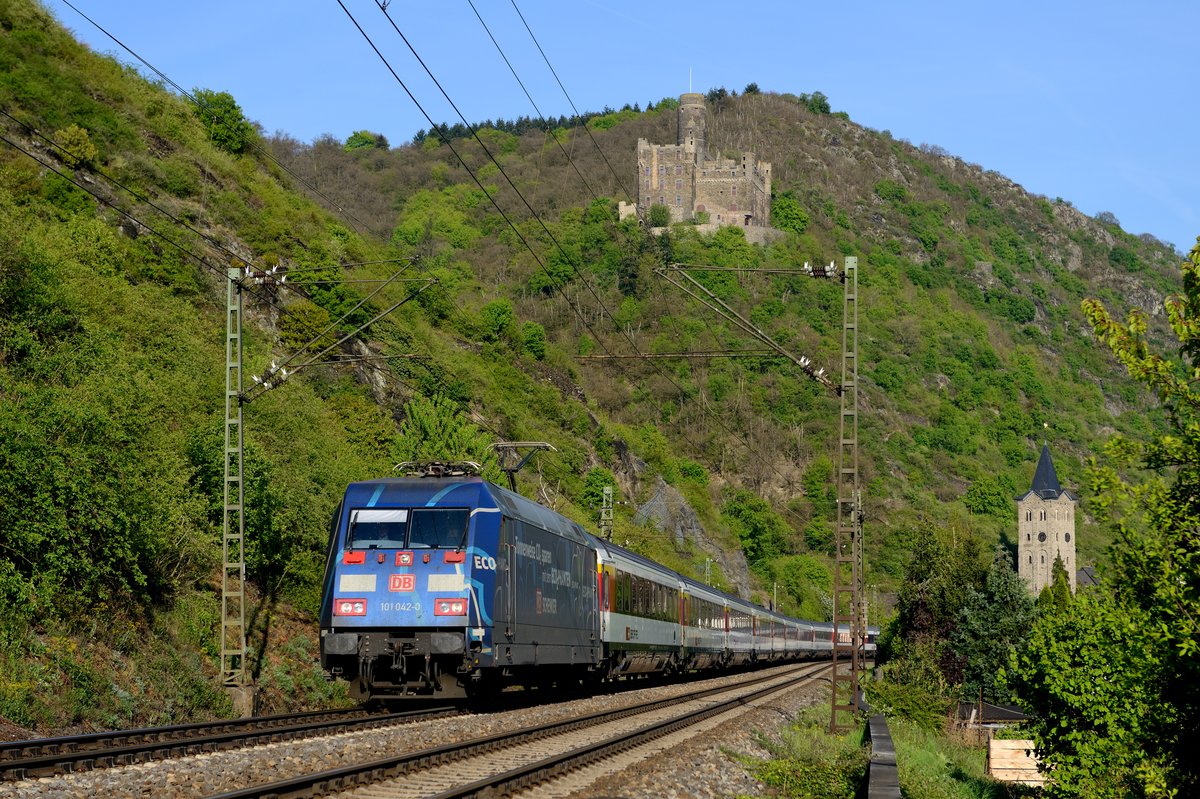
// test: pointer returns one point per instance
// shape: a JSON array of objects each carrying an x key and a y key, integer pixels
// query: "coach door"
[{"x": 505, "y": 581}]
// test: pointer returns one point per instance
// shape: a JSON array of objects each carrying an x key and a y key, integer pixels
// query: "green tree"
[
  {"x": 993, "y": 624},
  {"x": 533, "y": 340},
  {"x": 593, "y": 487},
  {"x": 1114, "y": 684},
  {"x": 764, "y": 535},
  {"x": 816, "y": 102},
  {"x": 498, "y": 320},
  {"x": 434, "y": 429},
  {"x": 1055, "y": 596},
  {"x": 786, "y": 213},
  {"x": 945, "y": 567},
  {"x": 658, "y": 216},
  {"x": 223, "y": 119},
  {"x": 363, "y": 139},
  {"x": 992, "y": 496}
]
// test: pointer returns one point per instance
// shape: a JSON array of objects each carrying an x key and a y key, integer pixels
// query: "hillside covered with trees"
[{"x": 123, "y": 204}]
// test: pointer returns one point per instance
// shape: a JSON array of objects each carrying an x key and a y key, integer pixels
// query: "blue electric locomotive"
[
  {"x": 450, "y": 584},
  {"x": 443, "y": 583}
]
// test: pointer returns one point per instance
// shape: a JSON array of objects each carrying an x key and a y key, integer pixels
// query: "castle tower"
[
  {"x": 692, "y": 125},
  {"x": 1045, "y": 527}
]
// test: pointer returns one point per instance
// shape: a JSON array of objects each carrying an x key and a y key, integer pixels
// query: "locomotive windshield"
[
  {"x": 401, "y": 528},
  {"x": 370, "y": 527},
  {"x": 438, "y": 527}
]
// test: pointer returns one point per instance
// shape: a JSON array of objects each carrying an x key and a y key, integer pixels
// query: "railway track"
[
  {"x": 48, "y": 756},
  {"x": 510, "y": 761}
]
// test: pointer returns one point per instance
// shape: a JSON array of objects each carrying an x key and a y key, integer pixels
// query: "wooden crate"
[{"x": 1013, "y": 761}]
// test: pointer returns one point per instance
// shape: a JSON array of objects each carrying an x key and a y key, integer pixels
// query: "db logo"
[{"x": 402, "y": 582}]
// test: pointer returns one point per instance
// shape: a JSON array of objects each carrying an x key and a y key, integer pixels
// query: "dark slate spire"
[{"x": 1045, "y": 479}]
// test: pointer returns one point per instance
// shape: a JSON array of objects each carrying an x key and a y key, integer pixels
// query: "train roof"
[{"x": 468, "y": 489}]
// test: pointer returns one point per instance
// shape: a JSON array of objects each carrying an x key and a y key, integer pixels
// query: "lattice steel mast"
[
  {"x": 848, "y": 565},
  {"x": 233, "y": 560}
]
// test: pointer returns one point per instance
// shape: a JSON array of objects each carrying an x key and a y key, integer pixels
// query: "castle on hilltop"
[{"x": 684, "y": 179}]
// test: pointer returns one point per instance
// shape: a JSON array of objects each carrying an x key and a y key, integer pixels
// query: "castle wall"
[{"x": 683, "y": 178}]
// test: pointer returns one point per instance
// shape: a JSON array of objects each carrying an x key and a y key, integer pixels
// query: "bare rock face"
[{"x": 668, "y": 511}]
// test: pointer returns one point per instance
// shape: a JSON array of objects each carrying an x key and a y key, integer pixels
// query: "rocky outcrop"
[{"x": 668, "y": 511}]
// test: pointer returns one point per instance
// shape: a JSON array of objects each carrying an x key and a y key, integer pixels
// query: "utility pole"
[
  {"x": 233, "y": 554},
  {"x": 847, "y": 566},
  {"x": 606, "y": 514}
]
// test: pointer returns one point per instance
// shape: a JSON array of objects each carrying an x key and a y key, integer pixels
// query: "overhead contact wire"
[{"x": 204, "y": 107}]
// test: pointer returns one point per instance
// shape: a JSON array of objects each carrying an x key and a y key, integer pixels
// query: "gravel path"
[{"x": 207, "y": 774}]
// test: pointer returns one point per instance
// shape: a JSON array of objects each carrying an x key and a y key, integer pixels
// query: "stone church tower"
[{"x": 1045, "y": 527}]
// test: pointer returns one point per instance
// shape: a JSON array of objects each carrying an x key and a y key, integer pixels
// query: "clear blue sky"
[{"x": 1093, "y": 102}]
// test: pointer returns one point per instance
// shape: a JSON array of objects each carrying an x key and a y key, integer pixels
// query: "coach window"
[
  {"x": 438, "y": 527},
  {"x": 377, "y": 527}
]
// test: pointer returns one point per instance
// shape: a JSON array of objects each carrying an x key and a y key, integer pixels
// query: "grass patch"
[
  {"x": 809, "y": 762},
  {"x": 933, "y": 765}
]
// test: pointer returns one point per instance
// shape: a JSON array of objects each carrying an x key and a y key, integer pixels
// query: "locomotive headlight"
[
  {"x": 456, "y": 606},
  {"x": 349, "y": 607}
]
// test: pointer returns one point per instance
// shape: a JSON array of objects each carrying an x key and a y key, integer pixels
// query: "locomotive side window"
[
  {"x": 438, "y": 527},
  {"x": 377, "y": 527}
]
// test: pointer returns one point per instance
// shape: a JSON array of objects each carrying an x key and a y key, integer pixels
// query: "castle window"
[
  {"x": 1067, "y": 537},
  {"x": 679, "y": 169},
  {"x": 678, "y": 200},
  {"x": 1028, "y": 537},
  {"x": 662, "y": 169},
  {"x": 733, "y": 173},
  {"x": 703, "y": 173},
  {"x": 647, "y": 171},
  {"x": 1043, "y": 560},
  {"x": 734, "y": 191},
  {"x": 678, "y": 184},
  {"x": 1028, "y": 515},
  {"x": 1031, "y": 560},
  {"x": 662, "y": 200}
]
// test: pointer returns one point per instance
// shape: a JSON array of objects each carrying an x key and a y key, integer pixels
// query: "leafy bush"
[
  {"x": 811, "y": 763},
  {"x": 362, "y": 139},
  {"x": 222, "y": 117},
  {"x": 786, "y": 213},
  {"x": 533, "y": 340},
  {"x": 658, "y": 216},
  {"x": 891, "y": 191},
  {"x": 77, "y": 147},
  {"x": 497, "y": 319}
]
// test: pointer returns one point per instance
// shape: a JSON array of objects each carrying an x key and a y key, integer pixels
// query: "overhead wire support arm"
[
  {"x": 696, "y": 354},
  {"x": 277, "y": 374},
  {"x": 719, "y": 305}
]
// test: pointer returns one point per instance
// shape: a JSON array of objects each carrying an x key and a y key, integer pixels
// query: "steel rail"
[
  {"x": 554, "y": 766},
  {"x": 375, "y": 771},
  {"x": 47, "y": 756}
]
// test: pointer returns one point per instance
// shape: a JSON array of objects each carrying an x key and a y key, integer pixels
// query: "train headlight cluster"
[
  {"x": 450, "y": 607},
  {"x": 349, "y": 607}
]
